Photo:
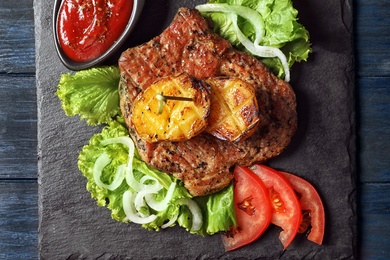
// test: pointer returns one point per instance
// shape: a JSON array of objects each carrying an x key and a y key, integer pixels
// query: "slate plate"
[{"x": 72, "y": 226}]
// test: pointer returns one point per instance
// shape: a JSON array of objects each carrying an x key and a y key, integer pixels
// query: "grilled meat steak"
[{"x": 204, "y": 163}]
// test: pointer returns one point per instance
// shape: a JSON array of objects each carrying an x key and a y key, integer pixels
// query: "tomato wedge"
[
  {"x": 253, "y": 210},
  {"x": 312, "y": 208},
  {"x": 286, "y": 208}
]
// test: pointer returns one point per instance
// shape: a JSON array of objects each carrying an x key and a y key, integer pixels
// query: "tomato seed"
[{"x": 246, "y": 205}]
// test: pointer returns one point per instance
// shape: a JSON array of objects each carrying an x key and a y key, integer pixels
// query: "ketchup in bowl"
[{"x": 88, "y": 28}]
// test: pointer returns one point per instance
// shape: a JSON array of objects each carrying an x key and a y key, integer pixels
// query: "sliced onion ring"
[
  {"x": 197, "y": 219},
  {"x": 152, "y": 188},
  {"x": 163, "y": 204},
  {"x": 125, "y": 140},
  {"x": 171, "y": 221},
  {"x": 131, "y": 212},
  {"x": 102, "y": 161},
  {"x": 261, "y": 51},
  {"x": 258, "y": 23},
  {"x": 248, "y": 13}
]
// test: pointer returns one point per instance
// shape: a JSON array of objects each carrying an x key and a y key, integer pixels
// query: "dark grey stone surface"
[{"x": 72, "y": 226}]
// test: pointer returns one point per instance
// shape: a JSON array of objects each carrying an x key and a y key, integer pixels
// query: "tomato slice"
[
  {"x": 311, "y": 206},
  {"x": 253, "y": 210},
  {"x": 286, "y": 209}
]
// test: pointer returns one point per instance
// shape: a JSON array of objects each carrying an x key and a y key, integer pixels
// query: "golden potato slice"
[
  {"x": 177, "y": 120},
  {"x": 234, "y": 110}
]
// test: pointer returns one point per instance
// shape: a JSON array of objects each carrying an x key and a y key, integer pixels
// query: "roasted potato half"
[
  {"x": 174, "y": 108},
  {"x": 234, "y": 109}
]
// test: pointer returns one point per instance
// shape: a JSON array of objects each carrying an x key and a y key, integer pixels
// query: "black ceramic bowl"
[{"x": 74, "y": 65}]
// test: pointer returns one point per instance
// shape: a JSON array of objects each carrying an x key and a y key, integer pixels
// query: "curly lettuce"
[
  {"x": 92, "y": 94},
  {"x": 217, "y": 210},
  {"x": 271, "y": 23}
]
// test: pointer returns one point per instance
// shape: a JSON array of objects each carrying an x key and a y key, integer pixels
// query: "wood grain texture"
[
  {"x": 17, "y": 49},
  {"x": 18, "y": 127},
  {"x": 18, "y": 204},
  {"x": 18, "y": 220},
  {"x": 18, "y": 131},
  {"x": 375, "y": 221},
  {"x": 374, "y": 130},
  {"x": 372, "y": 49},
  {"x": 372, "y": 36},
  {"x": 18, "y": 118}
]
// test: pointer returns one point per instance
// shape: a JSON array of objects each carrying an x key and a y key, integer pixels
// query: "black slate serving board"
[{"x": 72, "y": 226}]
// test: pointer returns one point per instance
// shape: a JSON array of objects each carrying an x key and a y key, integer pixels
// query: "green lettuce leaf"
[
  {"x": 217, "y": 209},
  {"x": 92, "y": 94},
  {"x": 282, "y": 30},
  {"x": 219, "y": 214}
]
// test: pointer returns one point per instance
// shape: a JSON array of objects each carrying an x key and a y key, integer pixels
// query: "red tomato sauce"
[{"x": 88, "y": 28}]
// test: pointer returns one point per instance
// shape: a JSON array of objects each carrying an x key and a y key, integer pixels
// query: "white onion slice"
[
  {"x": 171, "y": 221},
  {"x": 102, "y": 161},
  {"x": 261, "y": 51},
  {"x": 151, "y": 188},
  {"x": 125, "y": 140},
  {"x": 143, "y": 195},
  {"x": 120, "y": 140},
  {"x": 146, "y": 189},
  {"x": 139, "y": 201},
  {"x": 163, "y": 204},
  {"x": 131, "y": 212},
  {"x": 197, "y": 219},
  {"x": 248, "y": 13},
  {"x": 258, "y": 23}
]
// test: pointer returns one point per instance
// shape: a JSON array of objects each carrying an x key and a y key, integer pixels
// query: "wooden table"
[{"x": 18, "y": 129}]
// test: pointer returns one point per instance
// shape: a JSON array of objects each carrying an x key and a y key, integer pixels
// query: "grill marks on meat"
[
  {"x": 185, "y": 46},
  {"x": 191, "y": 162},
  {"x": 204, "y": 162},
  {"x": 278, "y": 107}
]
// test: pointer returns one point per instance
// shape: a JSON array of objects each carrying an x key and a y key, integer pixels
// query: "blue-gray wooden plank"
[
  {"x": 18, "y": 132},
  {"x": 372, "y": 36},
  {"x": 374, "y": 129},
  {"x": 17, "y": 49},
  {"x": 18, "y": 127},
  {"x": 18, "y": 220},
  {"x": 372, "y": 49},
  {"x": 374, "y": 221}
]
